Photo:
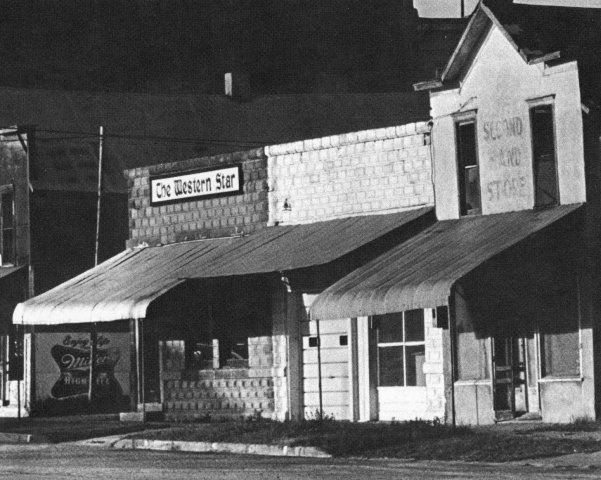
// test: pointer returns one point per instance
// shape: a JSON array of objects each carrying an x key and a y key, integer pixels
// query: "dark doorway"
[{"x": 510, "y": 385}]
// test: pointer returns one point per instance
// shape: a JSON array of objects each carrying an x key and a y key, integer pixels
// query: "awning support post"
[
  {"x": 93, "y": 355},
  {"x": 319, "y": 370},
  {"x": 133, "y": 356},
  {"x": 142, "y": 393},
  {"x": 453, "y": 344}
]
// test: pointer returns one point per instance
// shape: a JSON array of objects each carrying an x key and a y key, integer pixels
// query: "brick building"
[
  {"x": 141, "y": 130},
  {"x": 214, "y": 290}
]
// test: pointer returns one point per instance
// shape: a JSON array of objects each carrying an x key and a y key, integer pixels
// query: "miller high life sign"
[{"x": 199, "y": 184}]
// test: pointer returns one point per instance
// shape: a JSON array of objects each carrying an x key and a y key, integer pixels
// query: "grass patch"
[
  {"x": 418, "y": 439},
  {"x": 73, "y": 428},
  {"x": 52, "y": 407}
]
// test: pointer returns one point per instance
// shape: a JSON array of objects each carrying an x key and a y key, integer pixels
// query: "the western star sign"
[{"x": 199, "y": 184}]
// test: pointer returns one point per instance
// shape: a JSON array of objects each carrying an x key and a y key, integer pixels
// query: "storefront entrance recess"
[{"x": 510, "y": 382}]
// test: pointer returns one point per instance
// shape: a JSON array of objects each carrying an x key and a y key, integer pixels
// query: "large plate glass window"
[{"x": 401, "y": 349}]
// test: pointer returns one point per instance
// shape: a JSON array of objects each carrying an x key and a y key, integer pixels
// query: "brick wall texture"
[
  {"x": 191, "y": 220},
  {"x": 368, "y": 172}
]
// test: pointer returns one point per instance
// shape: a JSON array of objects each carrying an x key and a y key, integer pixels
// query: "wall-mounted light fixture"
[{"x": 287, "y": 206}]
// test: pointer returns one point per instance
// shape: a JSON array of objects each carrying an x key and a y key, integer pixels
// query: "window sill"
[
  {"x": 467, "y": 383},
  {"x": 380, "y": 387},
  {"x": 560, "y": 379}
]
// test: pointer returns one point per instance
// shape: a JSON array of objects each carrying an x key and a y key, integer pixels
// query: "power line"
[{"x": 158, "y": 138}]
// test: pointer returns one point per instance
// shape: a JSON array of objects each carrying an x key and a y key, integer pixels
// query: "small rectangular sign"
[{"x": 200, "y": 184}]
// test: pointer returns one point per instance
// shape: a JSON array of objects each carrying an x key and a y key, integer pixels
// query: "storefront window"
[
  {"x": 560, "y": 341},
  {"x": 401, "y": 349}
]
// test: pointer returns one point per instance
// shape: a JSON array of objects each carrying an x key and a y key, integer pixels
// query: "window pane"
[
  {"x": 391, "y": 366},
  {"x": 390, "y": 328},
  {"x": 560, "y": 337},
  {"x": 467, "y": 144},
  {"x": 414, "y": 326},
  {"x": 561, "y": 354},
  {"x": 416, "y": 356},
  {"x": 543, "y": 141},
  {"x": 467, "y": 168},
  {"x": 7, "y": 210},
  {"x": 8, "y": 247},
  {"x": 472, "y": 189}
]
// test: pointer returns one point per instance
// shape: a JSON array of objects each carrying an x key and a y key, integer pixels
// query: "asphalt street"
[{"x": 68, "y": 461}]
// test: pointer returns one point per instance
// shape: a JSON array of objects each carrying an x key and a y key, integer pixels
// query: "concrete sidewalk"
[
  {"x": 122, "y": 442},
  {"x": 585, "y": 461}
]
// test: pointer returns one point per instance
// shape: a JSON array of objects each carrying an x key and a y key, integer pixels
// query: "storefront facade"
[
  {"x": 504, "y": 270},
  {"x": 516, "y": 125},
  {"x": 224, "y": 255}
]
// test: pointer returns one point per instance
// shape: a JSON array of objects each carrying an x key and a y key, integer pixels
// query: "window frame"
[
  {"x": 5, "y": 190},
  {"x": 548, "y": 372},
  {"x": 404, "y": 344},
  {"x": 466, "y": 118},
  {"x": 547, "y": 101}
]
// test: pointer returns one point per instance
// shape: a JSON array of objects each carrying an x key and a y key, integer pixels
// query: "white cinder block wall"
[
  {"x": 370, "y": 172},
  {"x": 362, "y": 173}
]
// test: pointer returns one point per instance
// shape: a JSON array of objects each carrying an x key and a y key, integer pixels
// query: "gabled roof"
[
  {"x": 538, "y": 33},
  {"x": 144, "y": 130}
]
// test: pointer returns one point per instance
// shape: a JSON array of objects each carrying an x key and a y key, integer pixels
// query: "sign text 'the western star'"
[{"x": 206, "y": 183}]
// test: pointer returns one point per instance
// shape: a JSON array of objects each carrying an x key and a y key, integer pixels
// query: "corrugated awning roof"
[
  {"x": 124, "y": 286},
  {"x": 420, "y": 272}
]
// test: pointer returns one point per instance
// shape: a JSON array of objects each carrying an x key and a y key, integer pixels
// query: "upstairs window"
[
  {"x": 467, "y": 167},
  {"x": 7, "y": 226},
  {"x": 546, "y": 191}
]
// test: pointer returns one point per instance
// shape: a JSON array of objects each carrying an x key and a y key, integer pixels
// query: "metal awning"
[
  {"x": 420, "y": 272},
  {"x": 124, "y": 286}
]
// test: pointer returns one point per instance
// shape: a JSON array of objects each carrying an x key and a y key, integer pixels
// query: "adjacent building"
[{"x": 510, "y": 270}]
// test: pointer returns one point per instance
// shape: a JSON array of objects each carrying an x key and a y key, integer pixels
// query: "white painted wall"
[
  {"x": 498, "y": 86},
  {"x": 335, "y": 368},
  {"x": 372, "y": 403}
]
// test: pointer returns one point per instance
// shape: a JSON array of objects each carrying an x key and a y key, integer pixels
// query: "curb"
[
  {"x": 214, "y": 447},
  {"x": 16, "y": 438}
]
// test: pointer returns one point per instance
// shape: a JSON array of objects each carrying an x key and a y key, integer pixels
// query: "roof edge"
[{"x": 473, "y": 31}]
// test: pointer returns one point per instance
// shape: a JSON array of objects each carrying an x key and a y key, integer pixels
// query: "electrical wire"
[
  {"x": 156, "y": 138},
  {"x": 138, "y": 139}
]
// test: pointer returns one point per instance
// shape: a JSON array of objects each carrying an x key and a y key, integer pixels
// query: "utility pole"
[
  {"x": 462, "y": 8},
  {"x": 93, "y": 330}
]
